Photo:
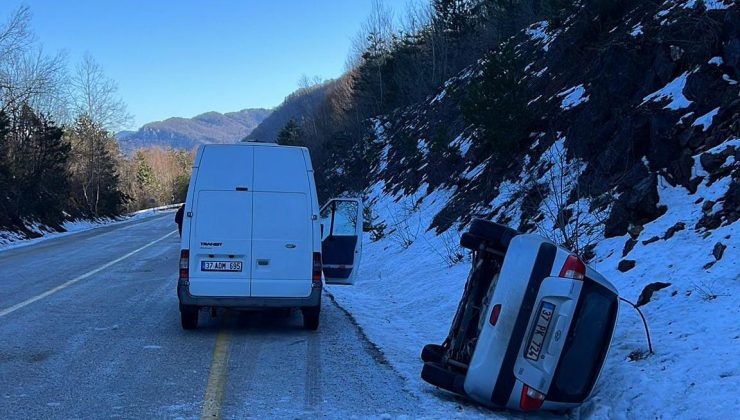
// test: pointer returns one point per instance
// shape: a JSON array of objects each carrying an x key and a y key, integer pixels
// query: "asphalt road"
[{"x": 89, "y": 328}]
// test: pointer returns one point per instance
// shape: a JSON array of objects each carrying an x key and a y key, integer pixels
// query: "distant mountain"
[
  {"x": 298, "y": 105},
  {"x": 186, "y": 133}
]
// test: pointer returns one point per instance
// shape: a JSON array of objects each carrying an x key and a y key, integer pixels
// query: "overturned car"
[{"x": 533, "y": 327}]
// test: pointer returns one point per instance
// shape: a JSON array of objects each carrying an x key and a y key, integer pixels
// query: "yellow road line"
[
  {"x": 216, "y": 378},
  {"x": 79, "y": 278}
]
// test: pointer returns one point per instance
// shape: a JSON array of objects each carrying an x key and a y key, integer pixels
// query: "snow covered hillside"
[
  {"x": 633, "y": 163},
  {"x": 411, "y": 282}
]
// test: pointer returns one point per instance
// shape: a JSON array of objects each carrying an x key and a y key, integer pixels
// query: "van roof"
[{"x": 251, "y": 144}]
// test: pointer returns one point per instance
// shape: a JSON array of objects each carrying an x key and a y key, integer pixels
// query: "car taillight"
[
  {"x": 573, "y": 268},
  {"x": 495, "y": 313},
  {"x": 184, "y": 264},
  {"x": 316, "y": 269},
  {"x": 531, "y": 399}
]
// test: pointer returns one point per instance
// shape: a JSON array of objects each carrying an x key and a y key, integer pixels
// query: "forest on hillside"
[
  {"x": 474, "y": 96},
  {"x": 59, "y": 159},
  {"x": 399, "y": 60}
]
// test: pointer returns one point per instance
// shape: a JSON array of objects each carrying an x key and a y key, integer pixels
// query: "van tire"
[
  {"x": 189, "y": 317},
  {"x": 439, "y": 376},
  {"x": 432, "y": 353},
  {"x": 496, "y": 236},
  {"x": 311, "y": 318}
]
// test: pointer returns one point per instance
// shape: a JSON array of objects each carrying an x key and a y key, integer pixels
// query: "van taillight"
[
  {"x": 316, "y": 269},
  {"x": 573, "y": 268},
  {"x": 531, "y": 399},
  {"x": 184, "y": 264}
]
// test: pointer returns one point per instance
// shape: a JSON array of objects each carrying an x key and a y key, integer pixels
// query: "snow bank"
[{"x": 11, "y": 239}]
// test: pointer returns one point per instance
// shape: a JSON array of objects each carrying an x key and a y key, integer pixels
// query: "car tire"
[
  {"x": 471, "y": 242},
  {"x": 495, "y": 235},
  {"x": 311, "y": 318},
  {"x": 189, "y": 317},
  {"x": 432, "y": 353},
  {"x": 439, "y": 376}
]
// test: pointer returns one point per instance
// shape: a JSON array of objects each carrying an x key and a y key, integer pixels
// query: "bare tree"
[
  {"x": 27, "y": 74},
  {"x": 95, "y": 95},
  {"x": 565, "y": 213}
]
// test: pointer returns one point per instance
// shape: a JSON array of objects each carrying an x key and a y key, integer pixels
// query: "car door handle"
[{"x": 290, "y": 246}]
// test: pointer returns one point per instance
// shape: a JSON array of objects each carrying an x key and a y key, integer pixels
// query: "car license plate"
[
  {"x": 220, "y": 266},
  {"x": 537, "y": 339}
]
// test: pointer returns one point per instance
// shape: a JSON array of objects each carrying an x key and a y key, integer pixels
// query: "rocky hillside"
[
  {"x": 623, "y": 99},
  {"x": 615, "y": 131},
  {"x": 186, "y": 133}
]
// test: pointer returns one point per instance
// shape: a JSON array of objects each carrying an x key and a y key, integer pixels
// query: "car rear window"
[{"x": 587, "y": 344}]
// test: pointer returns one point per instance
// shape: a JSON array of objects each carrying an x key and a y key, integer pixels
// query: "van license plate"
[
  {"x": 220, "y": 266},
  {"x": 537, "y": 339}
]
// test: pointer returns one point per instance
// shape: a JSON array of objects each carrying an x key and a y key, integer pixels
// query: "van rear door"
[
  {"x": 341, "y": 239},
  {"x": 221, "y": 227},
  {"x": 281, "y": 239},
  {"x": 220, "y": 263},
  {"x": 282, "y": 227}
]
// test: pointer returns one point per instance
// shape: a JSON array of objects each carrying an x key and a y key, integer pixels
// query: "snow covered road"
[{"x": 90, "y": 328}]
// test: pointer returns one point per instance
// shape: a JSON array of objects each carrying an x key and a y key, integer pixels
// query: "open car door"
[{"x": 341, "y": 239}]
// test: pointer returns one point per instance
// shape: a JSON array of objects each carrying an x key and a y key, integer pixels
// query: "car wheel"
[
  {"x": 311, "y": 318},
  {"x": 189, "y": 317},
  {"x": 471, "y": 242},
  {"x": 439, "y": 376},
  {"x": 496, "y": 236},
  {"x": 432, "y": 353}
]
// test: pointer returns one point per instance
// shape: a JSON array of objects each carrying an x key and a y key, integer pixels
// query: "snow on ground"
[
  {"x": 717, "y": 61},
  {"x": 693, "y": 322},
  {"x": 710, "y": 4},
  {"x": 672, "y": 91},
  {"x": 11, "y": 239},
  {"x": 706, "y": 120},
  {"x": 573, "y": 97},
  {"x": 538, "y": 32},
  {"x": 636, "y": 30},
  {"x": 406, "y": 297}
]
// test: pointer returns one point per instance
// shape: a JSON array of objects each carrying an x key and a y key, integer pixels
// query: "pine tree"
[
  {"x": 96, "y": 181},
  {"x": 4, "y": 173},
  {"x": 291, "y": 134}
]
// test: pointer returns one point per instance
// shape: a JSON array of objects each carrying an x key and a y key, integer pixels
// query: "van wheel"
[
  {"x": 311, "y": 318},
  {"x": 496, "y": 236},
  {"x": 437, "y": 375},
  {"x": 432, "y": 353},
  {"x": 189, "y": 317}
]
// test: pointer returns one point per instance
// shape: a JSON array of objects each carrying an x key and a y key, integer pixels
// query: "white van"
[{"x": 251, "y": 235}]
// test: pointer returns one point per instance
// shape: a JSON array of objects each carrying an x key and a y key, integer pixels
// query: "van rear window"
[{"x": 586, "y": 346}]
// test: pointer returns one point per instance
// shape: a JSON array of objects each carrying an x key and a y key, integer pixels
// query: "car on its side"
[
  {"x": 251, "y": 234},
  {"x": 533, "y": 327}
]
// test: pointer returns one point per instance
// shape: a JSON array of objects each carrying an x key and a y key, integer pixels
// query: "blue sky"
[{"x": 185, "y": 57}]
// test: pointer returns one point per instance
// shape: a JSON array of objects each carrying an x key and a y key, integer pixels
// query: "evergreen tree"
[
  {"x": 291, "y": 134},
  {"x": 4, "y": 172},
  {"x": 96, "y": 181},
  {"x": 37, "y": 161}
]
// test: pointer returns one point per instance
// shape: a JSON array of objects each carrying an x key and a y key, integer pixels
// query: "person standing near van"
[{"x": 178, "y": 218}]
